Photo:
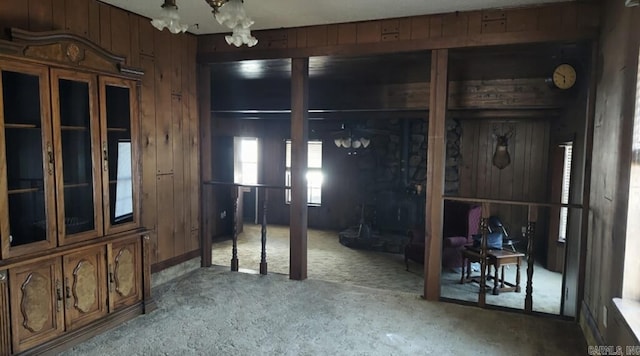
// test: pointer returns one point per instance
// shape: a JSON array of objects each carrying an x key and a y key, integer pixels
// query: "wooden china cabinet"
[{"x": 73, "y": 256}]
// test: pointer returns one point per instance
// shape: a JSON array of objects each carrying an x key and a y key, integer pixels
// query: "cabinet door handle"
[
  {"x": 50, "y": 158},
  {"x": 68, "y": 292},
  {"x": 105, "y": 156},
  {"x": 111, "y": 280},
  {"x": 58, "y": 296}
]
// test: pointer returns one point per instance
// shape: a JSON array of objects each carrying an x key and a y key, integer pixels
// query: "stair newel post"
[
  {"x": 484, "y": 230},
  {"x": 234, "y": 251},
  {"x": 531, "y": 233},
  {"x": 263, "y": 255}
]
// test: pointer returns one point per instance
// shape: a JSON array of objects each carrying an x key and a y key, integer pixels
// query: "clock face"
[{"x": 564, "y": 76}]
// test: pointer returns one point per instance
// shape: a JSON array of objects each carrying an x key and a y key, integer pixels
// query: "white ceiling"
[{"x": 271, "y": 14}]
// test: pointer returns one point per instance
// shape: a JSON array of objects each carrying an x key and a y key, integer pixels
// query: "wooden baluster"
[
  {"x": 531, "y": 232},
  {"x": 484, "y": 229},
  {"x": 234, "y": 250},
  {"x": 263, "y": 256}
]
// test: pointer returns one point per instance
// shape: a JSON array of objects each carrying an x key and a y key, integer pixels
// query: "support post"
[
  {"x": 5, "y": 323},
  {"x": 234, "y": 249},
  {"x": 299, "y": 139},
  {"x": 531, "y": 233},
  {"x": 149, "y": 302},
  {"x": 206, "y": 169},
  {"x": 435, "y": 173},
  {"x": 484, "y": 230},
  {"x": 263, "y": 255}
]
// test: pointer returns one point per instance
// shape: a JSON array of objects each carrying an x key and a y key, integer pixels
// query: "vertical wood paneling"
[
  {"x": 120, "y": 38},
  {"x": 58, "y": 15},
  {"x": 347, "y": 33},
  {"x": 40, "y": 15},
  {"x": 94, "y": 21},
  {"x": 332, "y": 35},
  {"x": 317, "y": 36},
  {"x": 301, "y": 37},
  {"x": 368, "y": 32},
  {"x": 165, "y": 212},
  {"x": 148, "y": 152},
  {"x": 147, "y": 34},
  {"x": 164, "y": 131},
  {"x": 105, "y": 26},
  {"x": 419, "y": 27},
  {"x": 176, "y": 51},
  {"x": 528, "y": 150},
  {"x": 76, "y": 16},
  {"x": 14, "y": 14},
  {"x": 179, "y": 192},
  {"x": 134, "y": 31}
]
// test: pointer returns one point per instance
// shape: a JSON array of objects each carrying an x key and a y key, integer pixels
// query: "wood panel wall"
[
  {"x": 525, "y": 179},
  {"x": 169, "y": 114},
  {"x": 562, "y": 21},
  {"x": 613, "y": 131}
]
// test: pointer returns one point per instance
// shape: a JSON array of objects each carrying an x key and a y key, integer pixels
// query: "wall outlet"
[
  {"x": 604, "y": 315},
  {"x": 223, "y": 214}
]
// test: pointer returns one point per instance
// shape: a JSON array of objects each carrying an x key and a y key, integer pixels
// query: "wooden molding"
[
  {"x": 66, "y": 48},
  {"x": 5, "y": 322},
  {"x": 568, "y": 21}
]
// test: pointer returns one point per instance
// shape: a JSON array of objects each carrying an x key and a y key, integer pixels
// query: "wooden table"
[{"x": 498, "y": 259}]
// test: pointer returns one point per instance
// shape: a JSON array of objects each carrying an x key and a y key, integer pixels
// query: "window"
[
  {"x": 314, "y": 173},
  {"x": 630, "y": 285},
  {"x": 566, "y": 185},
  {"x": 124, "y": 187},
  {"x": 246, "y": 158}
]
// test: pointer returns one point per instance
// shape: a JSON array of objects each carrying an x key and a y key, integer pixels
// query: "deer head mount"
[{"x": 501, "y": 157}]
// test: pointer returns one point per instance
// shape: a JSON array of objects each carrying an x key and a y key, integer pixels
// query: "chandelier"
[
  {"x": 229, "y": 13},
  {"x": 346, "y": 138},
  {"x": 169, "y": 18}
]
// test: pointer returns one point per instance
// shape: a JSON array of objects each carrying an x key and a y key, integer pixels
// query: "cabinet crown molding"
[{"x": 66, "y": 48}]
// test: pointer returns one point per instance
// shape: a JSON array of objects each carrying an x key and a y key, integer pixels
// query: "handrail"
[
  {"x": 267, "y": 186},
  {"x": 235, "y": 195},
  {"x": 511, "y": 202}
]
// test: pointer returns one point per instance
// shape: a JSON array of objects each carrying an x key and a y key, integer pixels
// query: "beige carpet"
[
  {"x": 328, "y": 260},
  {"x": 216, "y": 312}
]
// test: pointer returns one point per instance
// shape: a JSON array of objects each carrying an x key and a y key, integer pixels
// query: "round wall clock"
[{"x": 564, "y": 76}]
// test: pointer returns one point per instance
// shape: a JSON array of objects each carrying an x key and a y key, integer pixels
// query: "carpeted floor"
[
  {"x": 328, "y": 260},
  {"x": 216, "y": 312}
]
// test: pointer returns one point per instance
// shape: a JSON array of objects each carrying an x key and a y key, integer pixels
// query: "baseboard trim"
[
  {"x": 157, "y": 267},
  {"x": 72, "y": 338},
  {"x": 589, "y": 326}
]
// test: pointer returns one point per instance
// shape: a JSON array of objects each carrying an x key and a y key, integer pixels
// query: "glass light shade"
[
  {"x": 365, "y": 142},
  {"x": 241, "y": 36},
  {"x": 338, "y": 142},
  {"x": 232, "y": 15},
  {"x": 169, "y": 19},
  {"x": 346, "y": 142},
  {"x": 356, "y": 143}
]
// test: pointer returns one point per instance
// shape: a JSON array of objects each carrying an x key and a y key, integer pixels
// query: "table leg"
[
  {"x": 496, "y": 291},
  {"x": 518, "y": 276},
  {"x": 502, "y": 278},
  {"x": 464, "y": 263},
  {"x": 468, "y": 268}
]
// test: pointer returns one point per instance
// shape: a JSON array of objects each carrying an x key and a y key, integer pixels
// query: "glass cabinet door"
[
  {"x": 27, "y": 202},
  {"x": 119, "y": 115},
  {"x": 77, "y": 141}
]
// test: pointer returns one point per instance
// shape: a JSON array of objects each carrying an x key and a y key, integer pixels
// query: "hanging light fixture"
[
  {"x": 345, "y": 139},
  {"x": 169, "y": 18},
  {"x": 231, "y": 13}
]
